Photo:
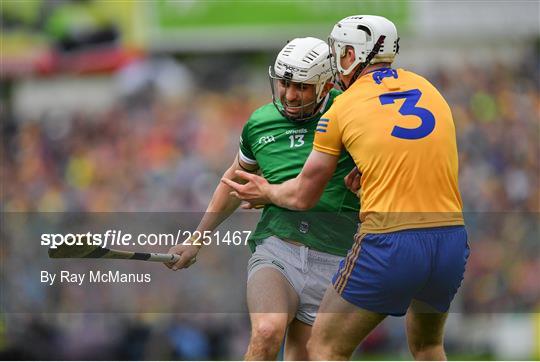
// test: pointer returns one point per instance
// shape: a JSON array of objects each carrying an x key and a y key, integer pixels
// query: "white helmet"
[
  {"x": 303, "y": 61},
  {"x": 362, "y": 33}
]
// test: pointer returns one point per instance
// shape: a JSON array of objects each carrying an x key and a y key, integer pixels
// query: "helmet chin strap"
[{"x": 363, "y": 65}]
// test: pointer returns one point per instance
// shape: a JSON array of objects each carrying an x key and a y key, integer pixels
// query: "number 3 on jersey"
[
  {"x": 409, "y": 108},
  {"x": 296, "y": 140}
]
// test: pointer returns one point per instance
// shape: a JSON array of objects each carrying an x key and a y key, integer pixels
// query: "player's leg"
[
  {"x": 427, "y": 313},
  {"x": 319, "y": 267},
  {"x": 378, "y": 278},
  {"x": 339, "y": 328},
  {"x": 298, "y": 334},
  {"x": 272, "y": 304},
  {"x": 425, "y": 332}
]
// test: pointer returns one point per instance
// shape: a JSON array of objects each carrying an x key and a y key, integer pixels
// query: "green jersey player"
[
  {"x": 279, "y": 146},
  {"x": 295, "y": 253}
]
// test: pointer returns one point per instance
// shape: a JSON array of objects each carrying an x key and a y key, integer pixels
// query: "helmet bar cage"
[{"x": 304, "y": 114}]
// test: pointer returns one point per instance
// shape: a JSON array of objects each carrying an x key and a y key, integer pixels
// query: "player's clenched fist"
[{"x": 188, "y": 256}]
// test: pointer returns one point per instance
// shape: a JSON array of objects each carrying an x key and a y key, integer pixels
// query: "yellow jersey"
[{"x": 399, "y": 130}]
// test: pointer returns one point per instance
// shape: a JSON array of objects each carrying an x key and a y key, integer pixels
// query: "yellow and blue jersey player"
[{"x": 410, "y": 252}]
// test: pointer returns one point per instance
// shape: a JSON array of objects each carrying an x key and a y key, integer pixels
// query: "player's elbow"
[{"x": 303, "y": 203}]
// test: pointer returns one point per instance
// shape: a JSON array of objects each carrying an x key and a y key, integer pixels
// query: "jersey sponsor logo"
[
  {"x": 266, "y": 139},
  {"x": 297, "y": 131}
]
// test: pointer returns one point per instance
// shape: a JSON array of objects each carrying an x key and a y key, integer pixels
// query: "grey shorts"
[{"x": 308, "y": 271}]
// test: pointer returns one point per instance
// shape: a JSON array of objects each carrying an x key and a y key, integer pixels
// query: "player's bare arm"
[
  {"x": 221, "y": 206},
  {"x": 300, "y": 193}
]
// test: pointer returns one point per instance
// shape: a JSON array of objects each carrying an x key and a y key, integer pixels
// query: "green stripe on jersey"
[{"x": 280, "y": 148}]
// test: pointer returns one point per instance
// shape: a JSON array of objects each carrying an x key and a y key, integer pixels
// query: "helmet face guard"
[
  {"x": 301, "y": 110},
  {"x": 334, "y": 60}
]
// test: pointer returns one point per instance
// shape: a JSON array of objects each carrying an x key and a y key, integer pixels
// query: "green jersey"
[{"x": 280, "y": 148}]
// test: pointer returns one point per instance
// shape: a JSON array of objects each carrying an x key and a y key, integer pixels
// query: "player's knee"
[
  {"x": 268, "y": 333},
  {"x": 266, "y": 338},
  {"x": 426, "y": 350},
  {"x": 318, "y": 350}
]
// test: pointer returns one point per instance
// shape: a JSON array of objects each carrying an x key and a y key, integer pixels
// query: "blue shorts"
[{"x": 383, "y": 272}]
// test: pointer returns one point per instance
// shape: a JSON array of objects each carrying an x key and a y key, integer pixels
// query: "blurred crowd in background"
[
  {"x": 152, "y": 152},
  {"x": 155, "y": 152}
]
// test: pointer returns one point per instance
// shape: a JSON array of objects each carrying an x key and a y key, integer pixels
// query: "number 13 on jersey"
[{"x": 297, "y": 140}]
